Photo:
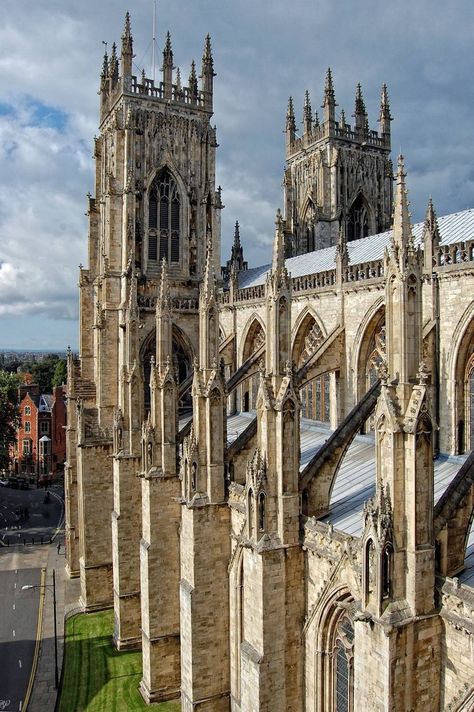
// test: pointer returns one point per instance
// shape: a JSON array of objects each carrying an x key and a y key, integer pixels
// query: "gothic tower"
[
  {"x": 155, "y": 202},
  {"x": 336, "y": 174}
]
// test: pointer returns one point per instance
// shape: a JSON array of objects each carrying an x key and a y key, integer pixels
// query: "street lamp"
[{"x": 53, "y": 586}]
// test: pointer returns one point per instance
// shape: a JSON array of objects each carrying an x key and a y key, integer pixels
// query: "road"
[
  {"x": 18, "y": 624},
  {"x": 20, "y": 566},
  {"x": 25, "y": 515}
]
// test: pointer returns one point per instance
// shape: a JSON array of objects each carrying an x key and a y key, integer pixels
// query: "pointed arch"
[
  {"x": 366, "y": 347},
  {"x": 252, "y": 339},
  {"x": 360, "y": 219},
  {"x": 166, "y": 216},
  {"x": 302, "y": 326},
  {"x": 253, "y": 326},
  {"x": 308, "y": 336},
  {"x": 307, "y": 228},
  {"x": 332, "y": 649},
  {"x": 183, "y": 358},
  {"x": 461, "y": 371}
]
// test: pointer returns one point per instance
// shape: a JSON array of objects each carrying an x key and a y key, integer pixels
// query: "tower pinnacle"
[
  {"x": 207, "y": 73},
  {"x": 307, "y": 114},
  {"x": 329, "y": 103},
  {"x": 360, "y": 113},
  {"x": 402, "y": 233},
  {"x": 127, "y": 47},
  {"x": 278, "y": 261},
  {"x": 384, "y": 117}
]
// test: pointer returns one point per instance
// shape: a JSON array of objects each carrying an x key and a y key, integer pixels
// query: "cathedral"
[{"x": 270, "y": 470}]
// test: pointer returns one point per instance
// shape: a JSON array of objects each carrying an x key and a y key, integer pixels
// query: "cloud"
[{"x": 50, "y": 60}]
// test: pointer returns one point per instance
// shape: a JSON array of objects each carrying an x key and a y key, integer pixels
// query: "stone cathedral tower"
[
  {"x": 155, "y": 203},
  {"x": 336, "y": 175}
]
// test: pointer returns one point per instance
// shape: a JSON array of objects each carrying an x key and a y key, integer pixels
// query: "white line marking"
[
  {"x": 19, "y": 663},
  {"x": 20, "y": 705},
  {"x": 14, "y": 586},
  {"x": 14, "y": 606},
  {"x": 14, "y": 634}
]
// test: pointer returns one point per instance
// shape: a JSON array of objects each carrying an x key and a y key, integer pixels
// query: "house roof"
[
  {"x": 46, "y": 403},
  {"x": 456, "y": 227}
]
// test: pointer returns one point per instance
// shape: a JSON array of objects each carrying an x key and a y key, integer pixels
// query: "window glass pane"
[
  {"x": 164, "y": 213},
  {"x": 153, "y": 211},
  {"x": 163, "y": 246},
  {"x": 174, "y": 247},
  {"x": 152, "y": 249},
  {"x": 342, "y": 679}
]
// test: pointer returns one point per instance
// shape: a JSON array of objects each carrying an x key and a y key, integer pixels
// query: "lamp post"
[{"x": 53, "y": 586}]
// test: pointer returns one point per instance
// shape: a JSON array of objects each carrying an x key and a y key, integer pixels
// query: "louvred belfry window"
[{"x": 164, "y": 219}]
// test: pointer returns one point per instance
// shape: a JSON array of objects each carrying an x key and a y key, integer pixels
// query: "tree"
[
  {"x": 60, "y": 373},
  {"x": 43, "y": 372},
  {"x": 9, "y": 415}
]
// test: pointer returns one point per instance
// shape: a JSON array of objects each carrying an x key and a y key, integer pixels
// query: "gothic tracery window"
[
  {"x": 343, "y": 677},
  {"x": 315, "y": 396},
  {"x": 164, "y": 219},
  {"x": 358, "y": 222}
]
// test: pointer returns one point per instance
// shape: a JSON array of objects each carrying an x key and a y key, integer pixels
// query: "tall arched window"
[
  {"x": 358, "y": 222},
  {"x": 343, "y": 666},
  {"x": 164, "y": 219}
]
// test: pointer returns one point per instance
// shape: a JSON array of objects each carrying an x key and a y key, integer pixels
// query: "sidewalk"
[{"x": 43, "y": 696}]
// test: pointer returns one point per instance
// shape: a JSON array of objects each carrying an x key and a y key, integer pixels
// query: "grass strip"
[{"x": 96, "y": 676}]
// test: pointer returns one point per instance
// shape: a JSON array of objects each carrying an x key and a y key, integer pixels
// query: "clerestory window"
[{"x": 164, "y": 208}]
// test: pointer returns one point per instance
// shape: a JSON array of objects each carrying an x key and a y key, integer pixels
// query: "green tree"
[
  {"x": 60, "y": 373},
  {"x": 43, "y": 372},
  {"x": 9, "y": 414}
]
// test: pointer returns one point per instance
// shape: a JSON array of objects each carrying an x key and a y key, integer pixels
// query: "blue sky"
[{"x": 50, "y": 59}]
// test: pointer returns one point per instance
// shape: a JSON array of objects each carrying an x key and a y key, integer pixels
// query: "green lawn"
[{"x": 97, "y": 678}]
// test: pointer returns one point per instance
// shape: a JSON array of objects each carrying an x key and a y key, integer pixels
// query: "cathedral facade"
[{"x": 270, "y": 474}]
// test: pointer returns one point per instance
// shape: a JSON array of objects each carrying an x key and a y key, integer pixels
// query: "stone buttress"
[
  {"x": 398, "y": 631},
  {"x": 272, "y": 594},
  {"x": 161, "y": 516},
  {"x": 205, "y": 525}
]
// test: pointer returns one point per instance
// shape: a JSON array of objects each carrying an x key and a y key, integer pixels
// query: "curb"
[{"x": 39, "y": 629}]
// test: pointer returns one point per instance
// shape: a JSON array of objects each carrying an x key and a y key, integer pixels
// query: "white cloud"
[{"x": 50, "y": 59}]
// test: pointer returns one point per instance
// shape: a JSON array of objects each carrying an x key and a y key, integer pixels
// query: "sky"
[{"x": 50, "y": 60}]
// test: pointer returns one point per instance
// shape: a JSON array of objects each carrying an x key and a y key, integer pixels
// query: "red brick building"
[{"x": 41, "y": 443}]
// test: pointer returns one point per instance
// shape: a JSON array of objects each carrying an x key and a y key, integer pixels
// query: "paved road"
[
  {"x": 18, "y": 623},
  {"x": 24, "y": 514}
]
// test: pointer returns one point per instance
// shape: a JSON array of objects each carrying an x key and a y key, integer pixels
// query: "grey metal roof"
[
  {"x": 355, "y": 482},
  {"x": 456, "y": 227}
]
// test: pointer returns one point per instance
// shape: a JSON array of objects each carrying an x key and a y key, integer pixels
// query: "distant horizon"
[{"x": 14, "y": 349}]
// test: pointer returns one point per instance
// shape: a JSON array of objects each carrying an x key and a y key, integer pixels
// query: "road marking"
[
  {"x": 14, "y": 586},
  {"x": 14, "y": 634},
  {"x": 20, "y": 705},
  {"x": 14, "y": 605},
  {"x": 19, "y": 663}
]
